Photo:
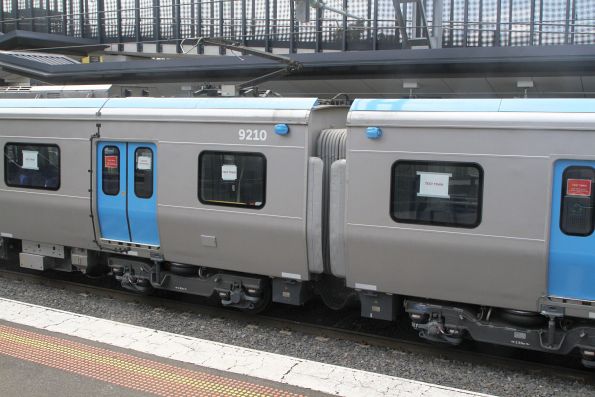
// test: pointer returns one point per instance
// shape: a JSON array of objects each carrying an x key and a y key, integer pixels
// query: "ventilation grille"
[
  {"x": 48, "y": 59},
  {"x": 16, "y": 88},
  {"x": 331, "y": 146}
]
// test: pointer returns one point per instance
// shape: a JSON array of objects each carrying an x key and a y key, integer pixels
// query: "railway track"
[{"x": 321, "y": 322}]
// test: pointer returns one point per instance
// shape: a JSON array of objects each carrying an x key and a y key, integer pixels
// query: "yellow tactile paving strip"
[{"x": 124, "y": 369}]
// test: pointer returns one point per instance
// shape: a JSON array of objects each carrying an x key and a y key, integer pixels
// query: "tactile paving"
[{"x": 124, "y": 369}]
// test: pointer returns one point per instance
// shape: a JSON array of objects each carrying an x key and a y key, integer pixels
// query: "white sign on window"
[
  {"x": 229, "y": 172},
  {"x": 433, "y": 184},
  {"x": 30, "y": 160},
  {"x": 143, "y": 163}
]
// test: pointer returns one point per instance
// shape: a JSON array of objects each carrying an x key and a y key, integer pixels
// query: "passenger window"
[
  {"x": 576, "y": 214},
  {"x": 111, "y": 170},
  {"x": 437, "y": 193},
  {"x": 143, "y": 172},
  {"x": 33, "y": 166},
  {"x": 232, "y": 178}
]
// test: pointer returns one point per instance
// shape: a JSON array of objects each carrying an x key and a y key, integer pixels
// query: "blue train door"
[
  {"x": 126, "y": 192},
  {"x": 572, "y": 241}
]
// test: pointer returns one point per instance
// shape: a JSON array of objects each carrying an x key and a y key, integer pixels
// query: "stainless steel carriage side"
[
  {"x": 238, "y": 186},
  {"x": 454, "y": 206},
  {"x": 44, "y": 183}
]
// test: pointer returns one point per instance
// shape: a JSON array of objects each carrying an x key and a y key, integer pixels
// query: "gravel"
[{"x": 479, "y": 378}]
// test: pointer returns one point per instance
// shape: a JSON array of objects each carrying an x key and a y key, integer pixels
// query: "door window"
[
  {"x": 111, "y": 170},
  {"x": 143, "y": 172},
  {"x": 576, "y": 215}
]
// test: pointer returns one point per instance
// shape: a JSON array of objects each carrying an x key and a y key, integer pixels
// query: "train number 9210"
[{"x": 252, "y": 135}]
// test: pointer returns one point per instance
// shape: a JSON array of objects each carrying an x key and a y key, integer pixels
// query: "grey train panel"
[
  {"x": 503, "y": 261},
  {"x": 59, "y": 217},
  {"x": 260, "y": 245}
]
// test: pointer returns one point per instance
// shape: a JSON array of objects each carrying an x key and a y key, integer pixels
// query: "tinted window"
[
  {"x": 143, "y": 172},
  {"x": 576, "y": 214},
  {"x": 111, "y": 170},
  {"x": 35, "y": 166},
  {"x": 237, "y": 179},
  {"x": 437, "y": 193}
]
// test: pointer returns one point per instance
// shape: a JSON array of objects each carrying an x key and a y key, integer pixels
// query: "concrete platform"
[
  {"x": 36, "y": 362},
  {"x": 45, "y": 351}
]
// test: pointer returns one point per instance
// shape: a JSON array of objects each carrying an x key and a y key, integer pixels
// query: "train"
[{"x": 470, "y": 219}]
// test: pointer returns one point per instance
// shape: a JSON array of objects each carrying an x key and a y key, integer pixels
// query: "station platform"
[
  {"x": 39, "y": 363},
  {"x": 48, "y": 352}
]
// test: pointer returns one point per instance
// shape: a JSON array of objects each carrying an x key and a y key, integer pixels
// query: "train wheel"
[{"x": 262, "y": 304}]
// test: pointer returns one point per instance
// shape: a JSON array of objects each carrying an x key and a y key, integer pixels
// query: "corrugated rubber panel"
[{"x": 331, "y": 146}]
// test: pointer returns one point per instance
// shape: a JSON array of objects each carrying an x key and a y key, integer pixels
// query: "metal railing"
[{"x": 272, "y": 24}]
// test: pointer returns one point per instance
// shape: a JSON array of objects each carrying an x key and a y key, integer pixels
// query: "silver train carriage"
[{"x": 475, "y": 217}]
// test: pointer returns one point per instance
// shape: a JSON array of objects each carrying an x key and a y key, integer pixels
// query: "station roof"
[
  {"x": 440, "y": 63},
  {"x": 19, "y": 39}
]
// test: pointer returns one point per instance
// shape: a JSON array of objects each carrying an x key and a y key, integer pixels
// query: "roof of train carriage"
[
  {"x": 392, "y": 105},
  {"x": 165, "y": 103},
  {"x": 549, "y": 105}
]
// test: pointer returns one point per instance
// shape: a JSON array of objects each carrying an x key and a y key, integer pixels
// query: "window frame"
[
  {"x": 54, "y": 145},
  {"x": 103, "y": 168},
  {"x": 438, "y": 162},
  {"x": 152, "y": 172},
  {"x": 226, "y": 152},
  {"x": 562, "y": 196}
]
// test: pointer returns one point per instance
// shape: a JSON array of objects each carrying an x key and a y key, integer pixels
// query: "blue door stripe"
[
  {"x": 571, "y": 258},
  {"x": 124, "y": 216},
  {"x": 111, "y": 209},
  {"x": 142, "y": 212}
]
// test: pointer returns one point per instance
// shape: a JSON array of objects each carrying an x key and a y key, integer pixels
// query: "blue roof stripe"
[
  {"x": 213, "y": 103},
  {"x": 560, "y": 105},
  {"x": 81, "y": 103},
  {"x": 476, "y": 105},
  {"x": 426, "y": 105}
]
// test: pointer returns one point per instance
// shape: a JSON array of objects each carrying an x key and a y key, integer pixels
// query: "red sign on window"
[
  {"x": 110, "y": 161},
  {"x": 578, "y": 187}
]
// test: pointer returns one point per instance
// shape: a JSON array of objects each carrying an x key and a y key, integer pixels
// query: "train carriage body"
[
  {"x": 475, "y": 217},
  {"x": 216, "y": 183},
  {"x": 465, "y": 202}
]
